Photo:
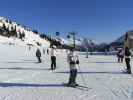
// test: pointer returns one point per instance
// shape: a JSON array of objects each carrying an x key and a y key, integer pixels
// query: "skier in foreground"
[
  {"x": 73, "y": 61},
  {"x": 38, "y": 55}
]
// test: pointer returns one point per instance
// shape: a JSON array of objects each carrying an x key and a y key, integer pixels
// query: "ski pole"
[{"x": 82, "y": 77}]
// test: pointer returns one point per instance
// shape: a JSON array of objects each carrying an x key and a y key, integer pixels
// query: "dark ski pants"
[
  {"x": 72, "y": 77},
  {"x": 120, "y": 59},
  {"x": 39, "y": 59},
  {"x": 127, "y": 60},
  {"x": 53, "y": 62}
]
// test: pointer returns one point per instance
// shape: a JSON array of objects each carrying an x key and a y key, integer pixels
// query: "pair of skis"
[
  {"x": 126, "y": 71},
  {"x": 77, "y": 86}
]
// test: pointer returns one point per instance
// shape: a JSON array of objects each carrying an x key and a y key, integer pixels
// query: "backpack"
[{"x": 127, "y": 53}]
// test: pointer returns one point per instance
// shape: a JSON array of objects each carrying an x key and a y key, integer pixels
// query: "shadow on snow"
[
  {"x": 93, "y": 72},
  {"x": 103, "y": 62},
  {"x": 11, "y": 62},
  {"x": 21, "y": 68},
  {"x": 29, "y": 85}
]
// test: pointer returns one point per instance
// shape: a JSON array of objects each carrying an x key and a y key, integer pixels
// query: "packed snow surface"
[{"x": 22, "y": 78}]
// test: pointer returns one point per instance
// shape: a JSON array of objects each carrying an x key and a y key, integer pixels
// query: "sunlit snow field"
[{"x": 22, "y": 78}]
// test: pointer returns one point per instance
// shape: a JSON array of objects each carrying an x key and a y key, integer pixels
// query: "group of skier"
[{"x": 73, "y": 61}]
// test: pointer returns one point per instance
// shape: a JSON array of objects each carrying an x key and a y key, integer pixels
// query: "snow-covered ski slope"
[
  {"x": 30, "y": 36},
  {"x": 22, "y": 78}
]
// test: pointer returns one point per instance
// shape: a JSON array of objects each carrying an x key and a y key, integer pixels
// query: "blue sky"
[{"x": 101, "y": 20}]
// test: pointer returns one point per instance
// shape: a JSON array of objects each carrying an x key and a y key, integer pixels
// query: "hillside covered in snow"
[{"x": 11, "y": 32}]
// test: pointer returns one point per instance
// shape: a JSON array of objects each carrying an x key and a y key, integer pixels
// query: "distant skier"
[
  {"x": 53, "y": 58},
  {"x": 29, "y": 47},
  {"x": 72, "y": 60},
  {"x": 127, "y": 59},
  {"x": 43, "y": 51},
  {"x": 38, "y": 55},
  {"x": 120, "y": 55},
  {"x": 48, "y": 51}
]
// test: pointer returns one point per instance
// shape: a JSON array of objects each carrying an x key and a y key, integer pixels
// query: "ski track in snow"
[{"x": 21, "y": 78}]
